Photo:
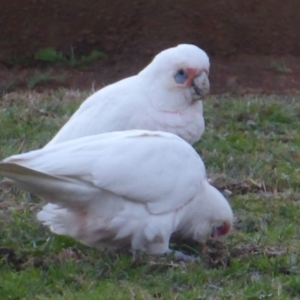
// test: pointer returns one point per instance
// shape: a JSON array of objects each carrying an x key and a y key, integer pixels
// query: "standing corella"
[
  {"x": 165, "y": 96},
  {"x": 123, "y": 190}
]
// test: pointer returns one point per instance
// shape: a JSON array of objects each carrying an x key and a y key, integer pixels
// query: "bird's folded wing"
[{"x": 154, "y": 168}]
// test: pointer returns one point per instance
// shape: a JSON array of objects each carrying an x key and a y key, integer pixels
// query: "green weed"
[
  {"x": 279, "y": 66},
  {"x": 44, "y": 78},
  {"x": 50, "y": 55}
]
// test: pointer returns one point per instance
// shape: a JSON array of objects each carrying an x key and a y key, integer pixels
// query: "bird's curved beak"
[
  {"x": 220, "y": 230},
  {"x": 200, "y": 86}
]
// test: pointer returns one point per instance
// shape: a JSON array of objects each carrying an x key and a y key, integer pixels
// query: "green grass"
[{"x": 251, "y": 149}]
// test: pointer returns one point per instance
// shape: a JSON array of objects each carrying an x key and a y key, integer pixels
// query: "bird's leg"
[
  {"x": 178, "y": 255},
  {"x": 134, "y": 254}
]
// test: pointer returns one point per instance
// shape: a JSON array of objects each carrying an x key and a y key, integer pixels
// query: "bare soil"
[
  {"x": 254, "y": 45},
  {"x": 241, "y": 74},
  {"x": 222, "y": 27}
]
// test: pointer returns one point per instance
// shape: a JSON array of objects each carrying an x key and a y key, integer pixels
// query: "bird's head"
[
  {"x": 209, "y": 216},
  {"x": 182, "y": 70},
  {"x": 221, "y": 229},
  {"x": 218, "y": 215}
]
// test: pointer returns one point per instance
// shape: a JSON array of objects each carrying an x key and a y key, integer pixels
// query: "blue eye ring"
[{"x": 181, "y": 76}]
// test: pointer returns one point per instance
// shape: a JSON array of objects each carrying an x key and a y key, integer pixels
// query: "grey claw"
[{"x": 181, "y": 256}]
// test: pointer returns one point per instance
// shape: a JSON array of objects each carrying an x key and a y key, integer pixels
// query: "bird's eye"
[{"x": 181, "y": 76}]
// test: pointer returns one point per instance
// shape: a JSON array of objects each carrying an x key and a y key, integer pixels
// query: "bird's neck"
[{"x": 185, "y": 220}]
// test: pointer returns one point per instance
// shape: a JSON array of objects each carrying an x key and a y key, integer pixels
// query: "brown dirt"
[
  {"x": 241, "y": 74},
  {"x": 222, "y": 27},
  {"x": 248, "y": 40}
]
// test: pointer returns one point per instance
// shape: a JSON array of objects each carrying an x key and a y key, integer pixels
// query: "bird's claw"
[{"x": 182, "y": 257}]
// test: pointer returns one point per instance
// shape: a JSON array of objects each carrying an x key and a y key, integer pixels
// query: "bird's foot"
[{"x": 181, "y": 256}]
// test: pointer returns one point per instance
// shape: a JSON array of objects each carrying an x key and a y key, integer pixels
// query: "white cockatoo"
[
  {"x": 123, "y": 190},
  {"x": 165, "y": 96}
]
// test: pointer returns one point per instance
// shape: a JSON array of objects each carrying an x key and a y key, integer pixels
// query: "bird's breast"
[{"x": 188, "y": 124}]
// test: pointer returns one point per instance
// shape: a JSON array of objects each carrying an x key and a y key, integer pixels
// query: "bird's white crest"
[
  {"x": 151, "y": 100},
  {"x": 130, "y": 189},
  {"x": 172, "y": 59}
]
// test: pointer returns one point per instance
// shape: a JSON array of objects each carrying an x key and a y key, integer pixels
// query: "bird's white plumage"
[
  {"x": 129, "y": 189},
  {"x": 150, "y": 100}
]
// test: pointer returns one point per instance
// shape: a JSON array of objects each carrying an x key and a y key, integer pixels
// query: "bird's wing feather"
[
  {"x": 155, "y": 168},
  {"x": 58, "y": 189}
]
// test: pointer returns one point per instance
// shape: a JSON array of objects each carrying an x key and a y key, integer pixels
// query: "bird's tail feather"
[{"x": 55, "y": 189}]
